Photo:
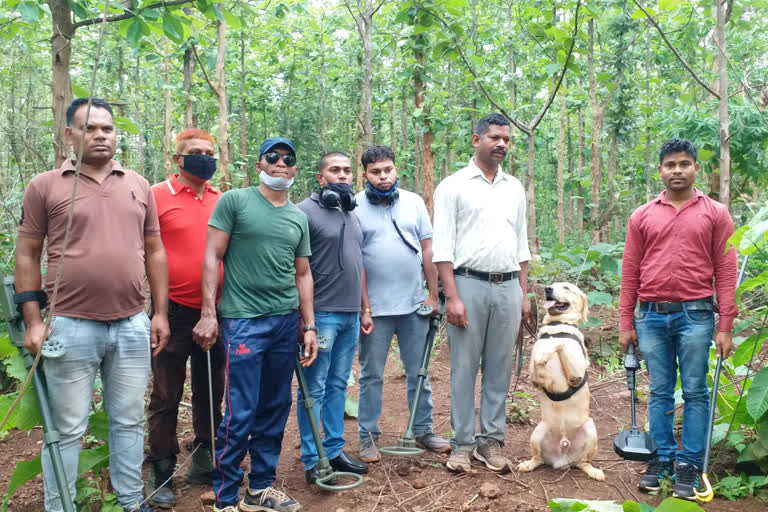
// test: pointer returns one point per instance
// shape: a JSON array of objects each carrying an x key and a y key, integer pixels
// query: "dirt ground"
[{"x": 422, "y": 484}]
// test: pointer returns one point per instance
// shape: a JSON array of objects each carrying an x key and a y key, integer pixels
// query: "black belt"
[
  {"x": 491, "y": 277},
  {"x": 704, "y": 304}
]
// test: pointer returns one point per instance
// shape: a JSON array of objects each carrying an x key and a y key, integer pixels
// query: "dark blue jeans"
[
  {"x": 670, "y": 341},
  {"x": 261, "y": 354}
]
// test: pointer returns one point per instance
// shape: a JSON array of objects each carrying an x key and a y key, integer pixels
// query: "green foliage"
[
  {"x": 24, "y": 471},
  {"x": 575, "y": 505},
  {"x": 735, "y": 487}
]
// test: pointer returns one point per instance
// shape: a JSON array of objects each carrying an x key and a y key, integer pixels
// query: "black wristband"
[{"x": 37, "y": 295}]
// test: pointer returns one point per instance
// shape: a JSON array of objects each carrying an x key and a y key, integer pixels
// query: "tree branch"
[
  {"x": 358, "y": 22},
  {"x": 128, "y": 15},
  {"x": 677, "y": 54},
  {"x": 375, "y": 9},
  {"x": 543, "y": 111},
  {"x": 205, "y": 74}
]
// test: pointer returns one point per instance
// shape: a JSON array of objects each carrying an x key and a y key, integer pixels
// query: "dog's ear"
[{"x": 585, "y": 308}]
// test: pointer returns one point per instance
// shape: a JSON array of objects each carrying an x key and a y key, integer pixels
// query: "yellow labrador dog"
[{"x": 566, "y": 435}]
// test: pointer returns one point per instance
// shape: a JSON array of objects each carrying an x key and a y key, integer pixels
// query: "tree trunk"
[
  {"x": 722, "y": 111},
  {"x": 427, "y": 137},
  {"x": 61, "y": 83},
  {"x": 121, "y": 108},
  {"x": 243, "y": 117},
  {"x": 579, "y": 170},
  {"x": 368, "y": 81},
  {"x": 323, "y": 110},
  {"x": 167, "y": 150},
  {"x": 597, "y": 127},
  {"x": 138, "y": 109},
  {"x": 221, "y": 96},
  {"x": 648, "y": 135},
  {"x": 393, "y": 136},
  {"x": 360, "y": 140},
  {"x": 533, "y": 240},
  {"x": 189, "y": 68},
  {"x": 560, "y": 167},
  {"x": 512, "y": 68},
  {"x": 611, "y": 171}
]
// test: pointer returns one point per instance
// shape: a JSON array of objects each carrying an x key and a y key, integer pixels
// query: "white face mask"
[{"x": 275, "y": 182}]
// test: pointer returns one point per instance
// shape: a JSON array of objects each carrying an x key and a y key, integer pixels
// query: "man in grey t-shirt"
[
  {"x": 397, "y": 248},
  {"x": 339, "y": 293}
]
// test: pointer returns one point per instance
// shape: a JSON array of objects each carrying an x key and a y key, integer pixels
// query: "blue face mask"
[
  {"x": 276, "y": 183},
  {"x": 201, "y": 166}
]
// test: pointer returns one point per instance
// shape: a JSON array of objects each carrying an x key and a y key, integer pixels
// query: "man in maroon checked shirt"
[{"x": 676, "y": 244}]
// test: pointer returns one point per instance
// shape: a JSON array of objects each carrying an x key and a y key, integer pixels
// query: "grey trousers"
[{"x": 487, "y": 343}]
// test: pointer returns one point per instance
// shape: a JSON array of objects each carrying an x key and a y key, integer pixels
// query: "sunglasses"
[{"x": 273, "y": 156}]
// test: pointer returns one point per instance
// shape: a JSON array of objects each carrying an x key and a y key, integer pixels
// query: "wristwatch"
[{"x": 307, "y": 327}]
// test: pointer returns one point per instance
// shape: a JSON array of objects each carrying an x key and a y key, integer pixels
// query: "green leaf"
[
  {"x": 747, "y": 347},
  {"x": 676, "y": 505},
  {"x": 596, "y": 298},
  {"x": 134, "y": 31},
  {"x": 80, "y": 92},
  {"x": 172, "y": 27},
  {"x": 609, "y": 264},
  {"x": 98, "y": 425},
  {"x": 6, "y": 347},
  {"x": 552, "y": 68},
  {"x": 29, "y": 11},
  {"x": 351, "y": 408},
  {"x": 631, "y": 506},
  {"x": 751, "y": 283},
  {"x": 568, "y": 504},
  {"x": 232, "y": 20},
  {"x": 757, "y": 398},
  {"x": 126, "y": 124},
  {"x": 666, "y": 5},
  {"x": 93, "y": 458},
  {"x": 24, "y": 471},
  {"x": 79, "y": 10}
]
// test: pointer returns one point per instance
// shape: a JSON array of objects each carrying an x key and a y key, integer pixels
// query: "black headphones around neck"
[
  {"x": 331, "y": 199},
  {"x": 375, "y": 196}
]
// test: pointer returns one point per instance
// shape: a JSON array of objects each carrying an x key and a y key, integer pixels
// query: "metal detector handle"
[{"x": 631, "y": 364}]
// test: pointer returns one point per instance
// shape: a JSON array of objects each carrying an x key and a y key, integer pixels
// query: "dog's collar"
[
  {"x": 565, "y": 395},
  {"x": 558, "y": 322}
]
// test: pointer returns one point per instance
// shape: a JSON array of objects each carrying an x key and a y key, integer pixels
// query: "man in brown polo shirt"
[{"x": 99, "y": 317}]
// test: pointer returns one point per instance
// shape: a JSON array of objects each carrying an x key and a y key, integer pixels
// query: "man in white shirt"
[{"x": 481, "y": 251}]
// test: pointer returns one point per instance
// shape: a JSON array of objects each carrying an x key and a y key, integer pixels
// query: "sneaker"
[
  {"x": 368, "y": 451},
  {"x": 654, "y": 473},
  {"x": 160, "y": 483},
  {"x": 459, "y": 461},
  {"x": 229, "y": 508},
  {"x": 490, "y": 454},
  {"x": 268, "y": 500},
  {"x": 433, "y": 442},
  {"x": 141, "y": 507},
  {"x": 687, "y": 479}
]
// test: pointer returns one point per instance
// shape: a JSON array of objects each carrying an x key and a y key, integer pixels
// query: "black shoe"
[
  {"x": 687, "y": 480},
  {"x": 348, "y": 464},
  {"x": 656, "y": 471},
  {"x": 161, "y": 483},
  {"x": 311, "y": 476},
  {"x": 201, "y": 469}
]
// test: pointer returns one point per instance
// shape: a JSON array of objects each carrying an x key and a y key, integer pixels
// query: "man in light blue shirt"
[{"x": 397, "y": 255}]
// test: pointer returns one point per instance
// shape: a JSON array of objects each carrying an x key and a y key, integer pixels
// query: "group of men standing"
[{"x": 237, "y": 279}]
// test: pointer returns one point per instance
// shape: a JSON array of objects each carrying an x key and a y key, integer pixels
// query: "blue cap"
[{"x": 275, "y": 141}]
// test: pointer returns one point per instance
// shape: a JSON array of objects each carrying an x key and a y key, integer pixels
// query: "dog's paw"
[
  {"x": 593, "y": 472},
  {"x": 527, "y": 466},
  {"x": 575, "y": 381}
]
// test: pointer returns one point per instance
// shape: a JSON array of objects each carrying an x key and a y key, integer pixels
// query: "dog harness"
[{"x": 565, "y": 395}]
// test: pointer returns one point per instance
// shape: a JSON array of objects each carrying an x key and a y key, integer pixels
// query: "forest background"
[{"x": 593, "y": 88}]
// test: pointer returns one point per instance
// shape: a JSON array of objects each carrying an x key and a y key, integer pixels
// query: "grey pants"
[{"x": 487, "y": 343}]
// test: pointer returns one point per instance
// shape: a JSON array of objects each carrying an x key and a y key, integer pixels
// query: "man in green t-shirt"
[{"x": 263, "y": 240}]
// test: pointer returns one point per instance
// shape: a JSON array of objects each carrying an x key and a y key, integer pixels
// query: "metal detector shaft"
[
  {"x": 16, "y": 333},
  {"x": 210, "y": 405},
  {"x": 434, "y": 324},
  {"x": 712, "y": 404},
  {"x": 325, "y": 473}
]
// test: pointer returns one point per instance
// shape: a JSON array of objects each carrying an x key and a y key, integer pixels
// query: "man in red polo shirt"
[
  {"x": 676, "y": 244},
  {"x": 185, "y": 201}
]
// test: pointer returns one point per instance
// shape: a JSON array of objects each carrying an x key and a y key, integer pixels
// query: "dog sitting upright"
[{"x": 566, "y": 435}]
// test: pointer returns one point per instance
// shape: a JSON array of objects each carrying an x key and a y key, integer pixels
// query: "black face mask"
[
  {"x": 376, "y": 196},
  {"x": 202, "y": 166},
  {"x": 338, "y": 194}
]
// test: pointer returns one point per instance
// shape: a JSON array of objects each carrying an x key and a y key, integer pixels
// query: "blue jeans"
[
  {"x": 669, "y": 341},
  {"x": 260, "y": 358},
  {"x": 327, "y": 381},
  {"x": 120, "y": 349},
  {"x": 411, "y": 333}
]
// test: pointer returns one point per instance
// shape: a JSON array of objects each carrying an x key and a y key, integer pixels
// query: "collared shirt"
[
  {"x": 103, "y": 270},
  {"x": 673, "y": 255},
  {"x": 183, "y": 227},
  {"x": 480, "y": 225}
]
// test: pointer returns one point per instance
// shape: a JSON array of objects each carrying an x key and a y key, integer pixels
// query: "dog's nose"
[{"x": 548, "y": 290}]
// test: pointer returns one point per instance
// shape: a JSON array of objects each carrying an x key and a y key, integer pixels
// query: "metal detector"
[
  {"x": 708, "y": 493},
  {"x": 326, "y": 477},
  {"x": 16, "y": 333},
  {"x": 406, "y": 446},
  {"x": 633, "y": 444}
]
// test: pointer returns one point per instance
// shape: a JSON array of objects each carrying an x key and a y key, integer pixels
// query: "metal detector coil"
[{"x": 327, "y": 478}]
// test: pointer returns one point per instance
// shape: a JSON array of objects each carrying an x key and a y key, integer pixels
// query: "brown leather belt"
[
  {"x": 704, "y": 304},
  {"x": 491, "y": 277}
]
